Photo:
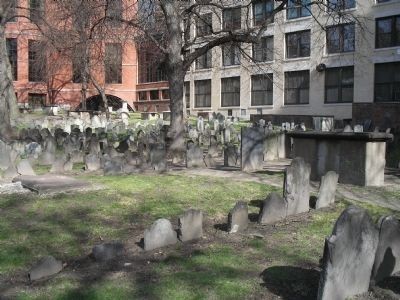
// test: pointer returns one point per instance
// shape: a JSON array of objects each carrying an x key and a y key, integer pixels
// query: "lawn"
[{"x": 220, "y": 266}]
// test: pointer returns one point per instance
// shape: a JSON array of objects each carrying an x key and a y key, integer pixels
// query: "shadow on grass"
[{"x": 291, "y": 283}]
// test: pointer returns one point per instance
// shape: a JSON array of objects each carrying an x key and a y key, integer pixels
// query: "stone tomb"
[
  {"x": 252, "y": 148},
  {"x": 358, "y": 158},
  {"x": 349, "y": 255}
]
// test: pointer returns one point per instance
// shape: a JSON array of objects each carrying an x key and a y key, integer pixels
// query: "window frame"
[
  {"x": 341, "y": 6},
  {"x": 187, "y": 93},
  {"x": 35, "y": 74},
  {"x": 340, "y": 86},
  {"x": 36, "y": 13},
  {"x": 201, "y": 23},
  {"x": 269, "y": 91},
  {"x": 299, "y": 8},
  {"x": 233, "y": 23},
  {"x": 264, "y": 12},
  {"x": 227, "y": 93},
  {"x": 392, "y": 84},
  {"x": 234, "y": 54},
  {"x": 394, "y": 34},
  {"x": 266, "y": 49},
  {"x": 299, "y": 45},
  {"x": 341, "y": 39},
  {"x": 204, "y": 61},
  {"x": 297, "y": 89},
  {"x": 113, "y": 63},
  {"x": 206, "y": 93}
]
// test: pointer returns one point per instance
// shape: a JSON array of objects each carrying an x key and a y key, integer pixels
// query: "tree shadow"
[
  {"x": 391, "y": 283},
  {"x": 289, "y": 282}
]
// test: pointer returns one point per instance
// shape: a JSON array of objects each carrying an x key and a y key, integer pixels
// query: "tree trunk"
[
  {"x": 8, "y": 100},
  {"x": 103, "y": 96}
]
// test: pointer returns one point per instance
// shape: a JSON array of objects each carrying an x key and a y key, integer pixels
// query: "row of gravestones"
[{"x": 160, "y": 234}]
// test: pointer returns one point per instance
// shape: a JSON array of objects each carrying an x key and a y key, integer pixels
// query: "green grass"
[{"x": 68, "y": 225}]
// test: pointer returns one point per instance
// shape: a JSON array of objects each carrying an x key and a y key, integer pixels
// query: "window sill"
[
  {"x": 296, "y": 105},
  {"x": 229, "y": 107},
  {"x": 201, "y": 108},
  {"x": 347, "y": 10},
  {"x": 230, "y": 67},
  {"x": 305, "y": 58},
  {"x": 269, "y": 62},
  {"x": 387, "y": 48},
  {"x": 377, "y": 4},
  {"x": 338, "y": 103},
  {"x": 301, "y": 19},
  {"x": 268, "y": 106},
  {"x": 328, "y": 55},
  {"x": 202, "y": 70}
]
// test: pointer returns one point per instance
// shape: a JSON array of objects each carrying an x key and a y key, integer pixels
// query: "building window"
[
  {"x": 297, "y": 86},
  {"x": 387, "y": 82},
  {"x": 230, "y": 91},
  {"x": 388, "y": 32},
  {"x": 264, "y": 50},
  {"x": 165, "y": 94},
  {"x": 12, "y": 52},
  {"x": 339, "y": 83},
  {"x": 232, "y": 18},
  {"x": 151, "y": 68},
  {"x": 187, "y": 94},
  {"x": 204, "y": 61},
  {"x": 202, "y": 93},
  {"x": 113, "y": 63},
  {"x": 114, "y": 12},
  {"x": 261, "y": 89},
  {"x": 337, "y": 5},
  {"x": 230, "y": 54},
  {"x": 204, "y": 25},
  {"x": 36, "y": 10},
  {"x": 142, "y": 96},
  {"x": 262, "y": 10},
  {"x": 340, "y": 38},
  {"x": 298, "y": 44},
  {"x": 298, "y": 9},
  {"x": 37, "y": 61},
  {"x": 36, "y": 100},
  {"x": 154, "y": 95}
]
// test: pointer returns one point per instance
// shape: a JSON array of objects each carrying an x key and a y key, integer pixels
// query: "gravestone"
[
  {"x": 273, "y": 210},
  {"x": 108, "y": 251},
  {"x": 92, "y": 162},
  {"x": 194, "y": 156},
  {"x": 358, "y": 128},
  {"x": 113, "y": 167},
  {"x": 327, "y": 189},
  {"x": 10, "y": 172},
  {"x": 227, "y": 135},
  {"x": 191, "y": 225},
  {"x": 5, "y": 161},
  {"x": 58, "y": 165},
  {"x": 200, "y": 124},
  {"x": 261, "y": 123},
  {"x": 46, "y": 267},
  {"x": 238, "y": 218},
  {"x": 159, "y": 235},
  {"x": 24, "y": 168},
  {"x": 387, "y": 257},
  {"x": 349, "y": 255},
  {"x": 158, "y": 157},
  {"x": 348, "y": 128},
  {"x": 230, "y": 155},
  {"x": 210, "y": 161},
  {"x": 252, "y": 149},
  {"x": 296, "y": 186}
]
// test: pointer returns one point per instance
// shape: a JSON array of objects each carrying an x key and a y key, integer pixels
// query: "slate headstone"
[
  {"x": 273, "y": 210},
  {"x": 194, "y": 156},
  {"x": 296, "y": 186},
  {"x": 191, "y": 225},
  {"x": 349, "y": 255},
  {"x": 230, "y": 155},
  {"x": 252, "y": 148},
  {"x": 159, "y": 235},
  {"x": 238, "y": 218},
  {"x": 327, "y": 189},
  {"x": 46, "y": 267}
]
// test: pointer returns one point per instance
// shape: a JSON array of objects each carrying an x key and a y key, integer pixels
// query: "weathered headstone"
[
  {"x": 209, "y": 161},
  {"x": 24, "y": 168},
  {"x": 159, "y": 235},
  {"x": 230, "y": 155},
  {"x": 58, "y": 165},
  {"x": 158, "y": 157},
  {"x": 191, "y": 225},
  {"x": 108, "y": 251},
  {"x": 348, "y": 128},
  {"x": 387, "y": 258},
  {"x": 238, "y": 218},
  {"x": 349, "y": 254},
  {"x": 296, "y": 186},
  {"x": 194, "y": 156},
  {"x": 358, "y": 128},
  {"x": 46, "y": 267},
  {"x": 92, "y": 162},
  {"x": 4, "y": 155},
  {"x": 327, "y": 189},
  {"x": 252, "y": 148},
  {"x": 273, "y": 210}
]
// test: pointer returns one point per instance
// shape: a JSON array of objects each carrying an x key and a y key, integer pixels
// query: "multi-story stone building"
[{"x": 308, "y": 63}]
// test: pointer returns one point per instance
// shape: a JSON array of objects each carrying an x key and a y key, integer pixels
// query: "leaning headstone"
[
  {"x": 252, "y": 148},
  {"x": 46, "y": 267},
  {"x": 387, "y": 258},
  {"x": 194, "y": 156},
  {"x": 108, "y": 251},
  {"x": 238, "y": 218},
  {"x": 24, "y": 168},
  {"x": 296, "y": 186},
  {"x": 159, "y": 235},
  {"x": 327, "y": 189},
  {"x": 273, "y": 210},
  {"x": 191, "y": 225},
  {"x": 349, "y": 255}
]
